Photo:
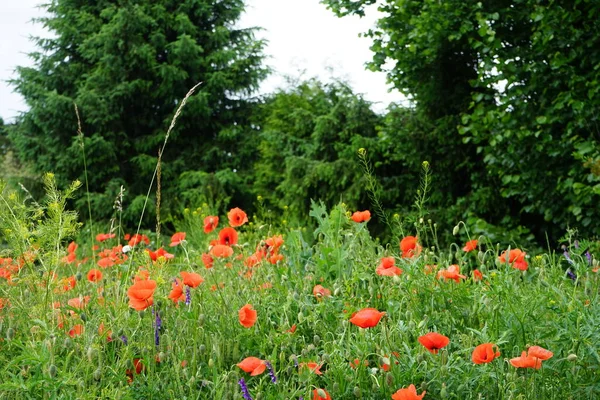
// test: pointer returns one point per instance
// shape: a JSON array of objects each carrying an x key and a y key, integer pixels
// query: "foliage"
[{"x": 127, "y": 65}]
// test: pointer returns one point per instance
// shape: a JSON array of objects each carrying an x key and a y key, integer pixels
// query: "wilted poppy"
[
  {"x": 526, "y": 361},
  {"x": 410, "y": 247},
  {"x": 252, "y": 365},
  {"x": 312, "y": 366},
  {"x": 516, "y": 258},
  {"x": 191, "y": 279},
  {"x": 434, "y": 341},
  {"x": 228, "y": 236},
  {"x": 484, "y": 353},
  {"x": 210, "y": 223},
  {"x": 321, "y": 394},
  {"x": 361, "y": 216},
  {"x": 177, "y": 238},
  {"x": 237, "y": 217},
  {"x": 221, "y": 251},
  {"x": 367, "y": 317},
  {"x": 319, "y": 291},
  {"x": 94, "y": 275},
  {"x": 539, "y": 352},
  {"x": 387, "y": 267},
  {"x": 471, "y": 245},
  {"x": 409, "y": 393},
  {"x": 140, "y": 294},
  {"x": 452, "y": 273},
  {"x": 247, "y": 316}
]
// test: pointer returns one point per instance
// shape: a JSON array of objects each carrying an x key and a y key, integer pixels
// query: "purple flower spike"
[
  {"x": 271, "y": 372},
  {"x": 245, "y": 391},
  {"x": 188, "y": 296}
]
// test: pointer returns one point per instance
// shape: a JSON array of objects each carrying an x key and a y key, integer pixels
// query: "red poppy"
[
  {"x": 154, "y": 255},
  {"x": 237, "y": 217},
  {"x": 176, "y": 293},
  {"x": 387, "y": 267},
  {"x": 429, "y": 269},
  {"x": 434, "y": 341},
  {"x": 312, "y": 366},
  {"x": 367, "y": 317},
  {"x": 292, "y": 329},
  {"x": 69, "y": 283},
  {"x": 452, "y": 273},
  {"x": 526, "y": 361},
  {"x": 101, "y": 237},
  {"x": 247, "y": 316},
  {"x": 76, "y": 330},
  {"x": 476, "y": 275},
  {"x": 177, "y": 239},
  {"x": 471, "y": 245},
  {"x": 191, "y": 279},
  {"x": 409, "y": 393},
  {"x": 72, "y": 247},
  {"x": 138, "y": 367},
  {"x": 140, "y": 294},
  {"x": 228, "y": 236},
  {"x": 410, "y": 247},
  {"x": 516, "y": 258},
  {"x": 539, "y": 352},
  {"x": 79, "y": 302},
  {"x": 252, "y": 365},
  {"x": 274, "y": 243},
  {"x": 361, "y": 216},
  {"x": 207, "y": 260},
  {"x": 221, "y": 251},
  {"x": 105, "y": 262},
  {"x": 321, "y": 394},
  {"x": 319, "y": 292},
  {"x": 484, "y": 353},
  {"x": 210, "y": 223},
  {"x": 94, "y": 275},
  {"x": 138, "y": 238}
]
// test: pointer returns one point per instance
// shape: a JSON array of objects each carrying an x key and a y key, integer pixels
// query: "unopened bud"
[
  {"x": 78, "y": 275},
  {"x": 572, "y": 357},
  {"x": 52, "y": 371},
  {"x": 357, "y": 391},
  {"x": 455, "y": 230},
  {"x": 316, "y": 340},
  {"x": 321, "y": 393},
  {"x": 97, "y": 374},
  {"x": 211, "y": 363},
  {"x": 10, "y": 334},
  {"x": 201, "y": 319}
]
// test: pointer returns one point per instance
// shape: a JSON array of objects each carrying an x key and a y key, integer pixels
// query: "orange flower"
[
  {"x": 252, "y": 365},
  {"x": 76, "y": 330},
  {"x": 367, "y": 317},
  {"x": 471, "y": 245},
  {"x": 237, "y": 217},
  {"x": 138, "y": 368},
  {"x": 434, "y": 341},
  {"x": 516, "y": 258},
  {"x": 138, "y": 238},
  {"x": 312, "y": 366},
  {"x": 410, "y": 247},
  {"x": 321, "y": 394},
  {"x": 140, "y": 294},
  {"x": 292, "y": 329},
  {"x": 387, "y": 267},
  {"x": 319, "y": 292},
  {"x": 247, "y": 316},
  {"x": 72, "y": 247},
  {"x": 101, "y": 237},
  {"x": 361, "y": 216},
  {"x": 526, "y": 361},
  {"x": 69, "y": 283},
  {"x": 105, "y": 262},
  {"x": 207, "y": 260},
  {"x": 154, "y": 255},
  {"x": 210, "y": 223},
  {"x": 429, "y": 269},
  {"x": 476, "y": 275},
  {"x": 409, "y": 393},
  {"x": 228, "y": 236},
  {"x": 177, "y": 238},
  {"x": 79, "y": 302},
  {"x": 191, "y": 279},
  {"x": 484, "y": 353},
  {"x": 94, "y": 275},
  {"x": 452, "y": 273},
  {"x": 221, "y": 251},
  {"x": 539, "y": 352},
  {"x": 176, "y": 293}
]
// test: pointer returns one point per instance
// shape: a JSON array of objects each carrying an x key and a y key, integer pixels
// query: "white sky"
[{"x": 305, "y": 40}]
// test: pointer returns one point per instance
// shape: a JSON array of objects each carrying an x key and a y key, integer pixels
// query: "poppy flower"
[
  {"x": 177, "y": 239},
  {"x": 476, "y": 275},
  {"x": 319, "y": 292},
  {"x": 228, "y": 236},
  {"x": 274, "y": 243},
  {"x": 207, "y": 260},
  {"x": 72, "y": 247},
  {"x": 237, "y": 217},
  {"x": 361, "y": 216},
  {"x": 138, "y": 238},
  {"x": 247, "y": 316},
  {"x": 76, "y": 330},
  {"x": 410, "y": 247},
  {"x": 154, "y": 255},
  {"x": 191, "y": 279},
  {"x": 94, "y": 275},
  {"x": 484, "y": 353},
  {"x": 221, "y": 251},
  {"x": 516, "y": 258},
  {"x": 367, "y": 317},
  {"x": 452, "y": 273},
  {"x": 321, "y": 394},
  {"x": 526, "y": 361},
  {"x": 539, "y": 352},
  {"x": 252, "y": 365},
  {"x": 471, "y": 245},
  {"x": 312, "y": 366},
  {"x": 79, "y": 302},
  {"x": 176, "y": 293},
  {"x": 106, "y": 262},
  {"x": 387, "y": 267},
  {"x": 434, "y": 341},
  {"x": 210, "y": 223},
  {"x": 292, "y": 329},
  {"x": 409, "y": 393},
  {"x": 140, "y": 294},
  {"x": 101, "y": 237},
  {"x": 69, "y": 283},
  {"x": 138, "y": 367}
]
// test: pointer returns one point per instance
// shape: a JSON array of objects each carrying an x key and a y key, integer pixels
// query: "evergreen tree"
[{"x": 127, "y": 64}]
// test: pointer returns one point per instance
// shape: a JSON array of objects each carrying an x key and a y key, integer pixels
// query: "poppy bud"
[
  {"x": 316, "y": 340},
  {"x": 78, "y": 275},
  {"x": 211, "y": 363},
  {"x": 423, "y": 386},
  {"x": 300, "y": 317},
  {"x": 259, "y": 396},
  {"x": 456, "y": 230},
  {"x": 202, "y": 348},
  {"x": 389, "y": 379},
  {"x": 481, "y": 256},
  {"x": 357, "y": 392},
  {"x": 444, "y": 392},
  {"x": 67, "y": 343},
  {"x": 201, "y": 319},
  {"x": 91, "y": 353},
  {"x": 97, "y": 374},
  {"x": 572, "y": 357},
  {"x": 10, "y": 333},
  {"x": 336, "y": 387},
  {"x": 52, "y": 371},
  {"x": 325, "y": 358},
  {"x": 321, "y": 393},
  {"x": 310, "y": 347},
  {"x": 83, "y": 317}
]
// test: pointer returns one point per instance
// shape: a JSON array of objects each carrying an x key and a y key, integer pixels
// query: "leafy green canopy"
[
  {"x": 127, "y": 64},
  {"x": 520, "y": 81}
]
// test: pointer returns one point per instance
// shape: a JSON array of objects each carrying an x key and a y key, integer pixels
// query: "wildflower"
[
  {"x": 452, "y": 273},
  {"x": 177, "y": 239},
  {"x": 361, "y": 216},
  {"x": 138, "y": 238},
  {"x": 237, "y": 217},
  {"x": 228, "y": 236},
  {"x": 188, "y": 296},
  {"x": 76, "y": 330},
  {"x": 154, "y": 255},
  {"x": 321, "y": 394},
  {"x": 79, "y": 302},
  {"x": 191, "y": 279},
  {"x": 94, "y": 275},
  {"x": 221, "y": 251},
  {"x": 292, "y": 329},
  {"x": 434, "y": 341},
  {"x": 471, "y": 245},
  {"x": 176, "y": 293},
  {"x": 516, "y": 258},
  {"x": 244, "y": 388},
  {"x": 484, "y": 353},
  {"x": 140, "y": 294},
  {"x": 539, "y": 352},
  {"x": 247, "y": 316},
  {"x": 207, "y": 260},
  {"x": 429, "y": 269},
  {"x": 157, "y": 326},
  {"x": 138, "y": 367},
  {"x": 69, "y": 283},
  {"x": 72, "y": 247},
  {"x": 105, "y": 262},
  {"x": 101, "y": 237},
  {"x": 319, "y": 292},
  {"x": 526, "y": 361},
  {"x": 210, "y": 223},
  {"x": 410, "y": 247},
  {"x": 476, "y": 275},
  {"x": 409, "y": 393},
  {"x": 387, "y": 267},
  {"x": 313, "y": 367},
  {"x": 367, "y": 317}
]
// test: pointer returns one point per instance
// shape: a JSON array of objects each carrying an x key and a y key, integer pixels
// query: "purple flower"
[
  {"x": 245, "y": 391},
  {"x": 157, "y": 326},
  {"x": 589, "y": 257},
  {"x": 188, "y": 296},
  {"x": 571, "y": 274},
  {"x": 271, "y": 372},
  {"x": 124, "y": 339},
  {"x": 566, "y": 254},
  {"x": 576, "y": 244}
]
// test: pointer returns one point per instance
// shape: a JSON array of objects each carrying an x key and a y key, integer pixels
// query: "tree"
[
  {"x": 127, "y": 64},
  {"x": 510, "y": 86}
]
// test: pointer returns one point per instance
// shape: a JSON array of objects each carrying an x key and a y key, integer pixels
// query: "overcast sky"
[{"x": 305, "y": 39}]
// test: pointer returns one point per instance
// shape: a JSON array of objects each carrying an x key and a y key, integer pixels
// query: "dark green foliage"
[{"x": 127, "y": 65}]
